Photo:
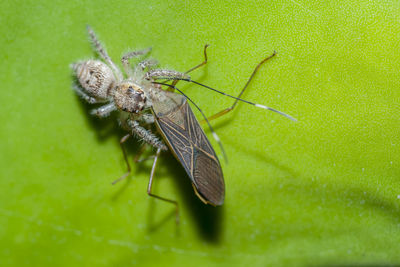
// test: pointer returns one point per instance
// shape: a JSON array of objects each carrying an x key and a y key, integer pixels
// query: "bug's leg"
[
  {"x": 127, "y": 56},
  {"x": 104, "y": 111},
  {"x": 202, "y": 63},
  {"x": 121, "y": 143},
  {"x": 151, "y": 184},
  {"x": 137, "y": 158},
  {"x": 103, "y": 53},
  {"x": 84, "y": 96},
  {"x": 192, "y": 69},
  {"x": 225, "y": 111}
]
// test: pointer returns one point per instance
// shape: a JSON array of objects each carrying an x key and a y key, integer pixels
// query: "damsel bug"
[{"x": 141, "y": 101}]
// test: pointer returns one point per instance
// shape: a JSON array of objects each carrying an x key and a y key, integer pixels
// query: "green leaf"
[{"x": 322, "y": 191}]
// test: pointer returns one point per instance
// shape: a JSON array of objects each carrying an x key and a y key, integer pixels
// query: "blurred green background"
[{"x": 321, "y": 192}]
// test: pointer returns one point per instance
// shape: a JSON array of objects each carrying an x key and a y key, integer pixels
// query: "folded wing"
[{"x": 188, "y": 142}]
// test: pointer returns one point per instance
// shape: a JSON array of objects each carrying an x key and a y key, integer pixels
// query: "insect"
[{"x": 140, "y": 102}]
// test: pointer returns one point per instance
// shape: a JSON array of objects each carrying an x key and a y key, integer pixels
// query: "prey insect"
[{"x": 140, "y": 102}]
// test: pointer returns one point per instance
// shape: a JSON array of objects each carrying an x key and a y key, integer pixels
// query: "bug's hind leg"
[
  {"x": 225, "y": 111},
  {"x": 158, "y": 197}
]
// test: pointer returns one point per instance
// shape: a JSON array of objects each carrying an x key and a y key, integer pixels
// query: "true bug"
[{"x": 140, "y": 100}]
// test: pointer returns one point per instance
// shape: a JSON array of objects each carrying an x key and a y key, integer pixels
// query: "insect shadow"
[
  {"x": 104, "y": 128},
  {"x": 208, "y": 219}
]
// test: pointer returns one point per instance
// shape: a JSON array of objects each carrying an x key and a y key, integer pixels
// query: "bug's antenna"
[
  {"x": 204, "y": 116},
  {"x": 237, "y": 98}
]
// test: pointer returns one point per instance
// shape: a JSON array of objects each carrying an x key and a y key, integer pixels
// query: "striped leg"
[
  {"x": 225, "y": 111},
  {"x": 192, "y": 69}
]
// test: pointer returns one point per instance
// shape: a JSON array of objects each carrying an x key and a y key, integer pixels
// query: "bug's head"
[
  {"x": 129, "y": 97},
  {"x": 95, "y": 77}
]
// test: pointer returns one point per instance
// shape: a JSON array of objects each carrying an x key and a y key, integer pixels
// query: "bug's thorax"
[{"x": 131, "y": 97}]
